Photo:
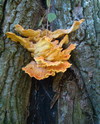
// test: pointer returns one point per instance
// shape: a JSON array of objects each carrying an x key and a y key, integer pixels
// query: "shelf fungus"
[{"x": 45, "y": 46}]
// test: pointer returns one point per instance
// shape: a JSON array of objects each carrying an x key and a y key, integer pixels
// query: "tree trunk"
[
  {"x": 80, "y": 89},
  {"x": 80, "y": 96},
  {"x": 14, "y": 83}
]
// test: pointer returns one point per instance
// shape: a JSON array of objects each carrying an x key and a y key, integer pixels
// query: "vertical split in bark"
[
  {"x": 2, "y": 13},
  {"x": 40, "y": 99}
]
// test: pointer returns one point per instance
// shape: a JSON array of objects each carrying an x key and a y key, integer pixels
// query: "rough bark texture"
[
  {"x": 79, "y": 102},
  {"x": 80, "y": 96},
  {"x": 14, "y": 83}
]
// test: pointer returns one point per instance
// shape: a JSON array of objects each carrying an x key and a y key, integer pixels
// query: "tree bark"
[
  {"x": 80, "y": 98},
  {"x": 80, "y": 89},
  {"x": 14, "y": 83}
]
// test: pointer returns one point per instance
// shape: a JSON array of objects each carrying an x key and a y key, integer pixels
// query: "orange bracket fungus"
[{"x": 48, "y": 55}]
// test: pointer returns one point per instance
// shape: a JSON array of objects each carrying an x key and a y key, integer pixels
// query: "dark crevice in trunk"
[
  {"x": 40, "y": 99},
  {"x": 44, "y": 4},
  {"x": 3, "y": 15}
]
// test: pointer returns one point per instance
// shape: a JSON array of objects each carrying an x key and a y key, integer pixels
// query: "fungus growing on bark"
[{"x": 49, "y": 57}]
